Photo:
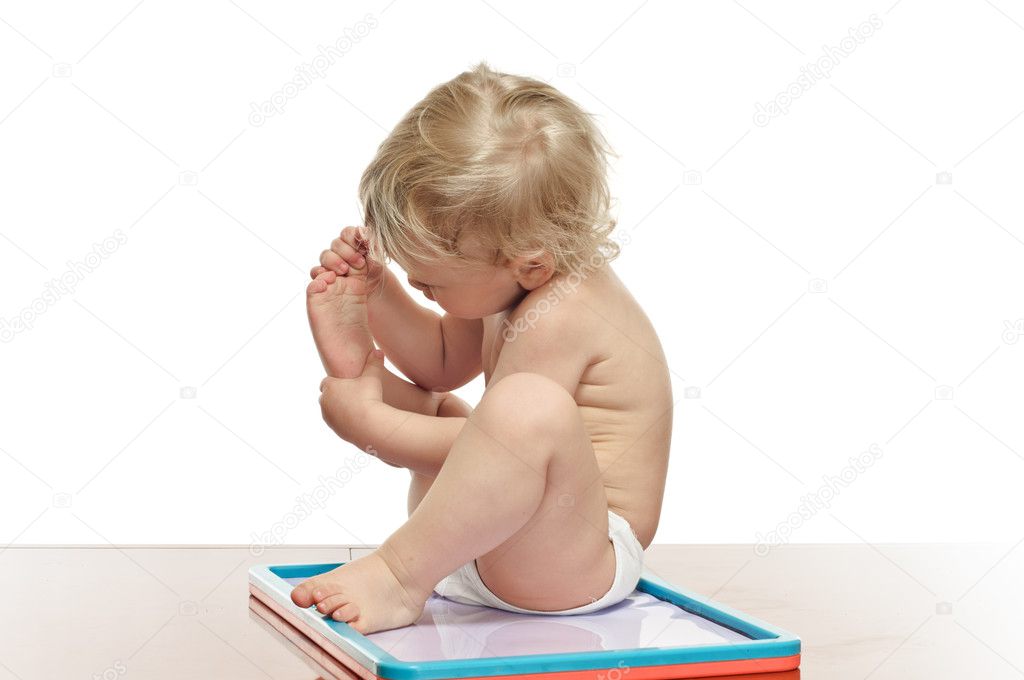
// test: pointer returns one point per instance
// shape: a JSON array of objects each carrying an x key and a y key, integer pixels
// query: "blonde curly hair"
[{"x": 508, "y": 160}]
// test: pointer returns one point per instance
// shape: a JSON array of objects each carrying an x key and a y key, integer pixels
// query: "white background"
[{"x": 729, "y": 223}]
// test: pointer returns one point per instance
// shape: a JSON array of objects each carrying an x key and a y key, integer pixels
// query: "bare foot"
[
  {"x": 364, "y": 593},
  {"x": 336, "y": 306}
]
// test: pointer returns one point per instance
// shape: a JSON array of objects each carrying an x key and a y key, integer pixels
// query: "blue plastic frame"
[{"x": 766, "y": 641}]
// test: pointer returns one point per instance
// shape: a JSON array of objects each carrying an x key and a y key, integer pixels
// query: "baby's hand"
[
  {"x": 347, "y": 256},
  {"x": 346, "y": 402}
]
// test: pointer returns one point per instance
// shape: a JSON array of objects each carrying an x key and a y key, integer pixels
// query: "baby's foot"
[
  {"x": 336, "y": 306},
  {"x": 364, "y": 593}
]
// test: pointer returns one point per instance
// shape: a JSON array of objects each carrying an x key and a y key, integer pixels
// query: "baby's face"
[{"x": 467, "y": 290}]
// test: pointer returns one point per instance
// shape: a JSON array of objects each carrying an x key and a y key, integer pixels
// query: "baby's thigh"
[{"x": 562, "y": 557}]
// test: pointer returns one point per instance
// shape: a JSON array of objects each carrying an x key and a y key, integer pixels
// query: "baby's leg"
[
  {"x": 450, "y": 407},
  {"x": 520, "y": 491},
  {"x": 336, "y": 306}
]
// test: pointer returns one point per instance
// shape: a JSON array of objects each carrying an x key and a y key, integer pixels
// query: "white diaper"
[{"x": 464, "y": 585}]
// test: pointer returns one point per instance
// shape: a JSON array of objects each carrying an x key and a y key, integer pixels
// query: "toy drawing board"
[
  {"x": 659, "y": 631},
  {"x": 322, "y": 663}
]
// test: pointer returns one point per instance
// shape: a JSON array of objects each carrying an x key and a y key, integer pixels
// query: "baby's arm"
[
  {"x": 357, "y": 411},
  {"x": 399, "y": 422},
  {"x": 405, "y": 396},
  {"x": 435, "y": 352},
  {"x": 416, "y": 441},
  {"x": 420, "y": 440},
  {"x": 551, "y": 347}
]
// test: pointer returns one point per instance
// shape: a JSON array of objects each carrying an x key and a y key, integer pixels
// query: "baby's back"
[{"x": 624, "y": 394}]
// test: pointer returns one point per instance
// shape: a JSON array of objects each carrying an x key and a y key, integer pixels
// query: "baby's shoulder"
[
  {"x": 569, "y": 307},
  {"x": 541, "y": 317}
]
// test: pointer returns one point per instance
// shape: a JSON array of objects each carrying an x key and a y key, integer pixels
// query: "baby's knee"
[{"x": 530, "y": 404}]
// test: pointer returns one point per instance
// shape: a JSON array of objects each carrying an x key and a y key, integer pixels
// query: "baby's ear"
[{"x": 534, "y": 271}]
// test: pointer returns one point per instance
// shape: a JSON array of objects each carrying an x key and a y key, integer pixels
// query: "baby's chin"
[
  {"x": 460, "y": 312},
  {"x": 465, "y": 314}
]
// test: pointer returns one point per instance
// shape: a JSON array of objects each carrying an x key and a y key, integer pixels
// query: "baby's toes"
[
  {"x": 302, "y": 595},
  {"x": 346, "y": 612},
  {"x": 321, "y": 282},
  {"x": 327, "y": 605},
  {"x": 312, "y": 591}
]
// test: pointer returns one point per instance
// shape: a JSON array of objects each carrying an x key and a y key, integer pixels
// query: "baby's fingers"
[
  {"x": 348, "y": 253},
  {"x": 355, "y": 237},
  {"x": 332, "y": 260}
]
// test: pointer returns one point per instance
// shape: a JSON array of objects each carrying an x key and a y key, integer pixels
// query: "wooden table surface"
[{"x": 862, "y": 611}]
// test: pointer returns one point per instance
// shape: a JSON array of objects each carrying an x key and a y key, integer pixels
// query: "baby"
[{"x": 491, "y": 194}]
